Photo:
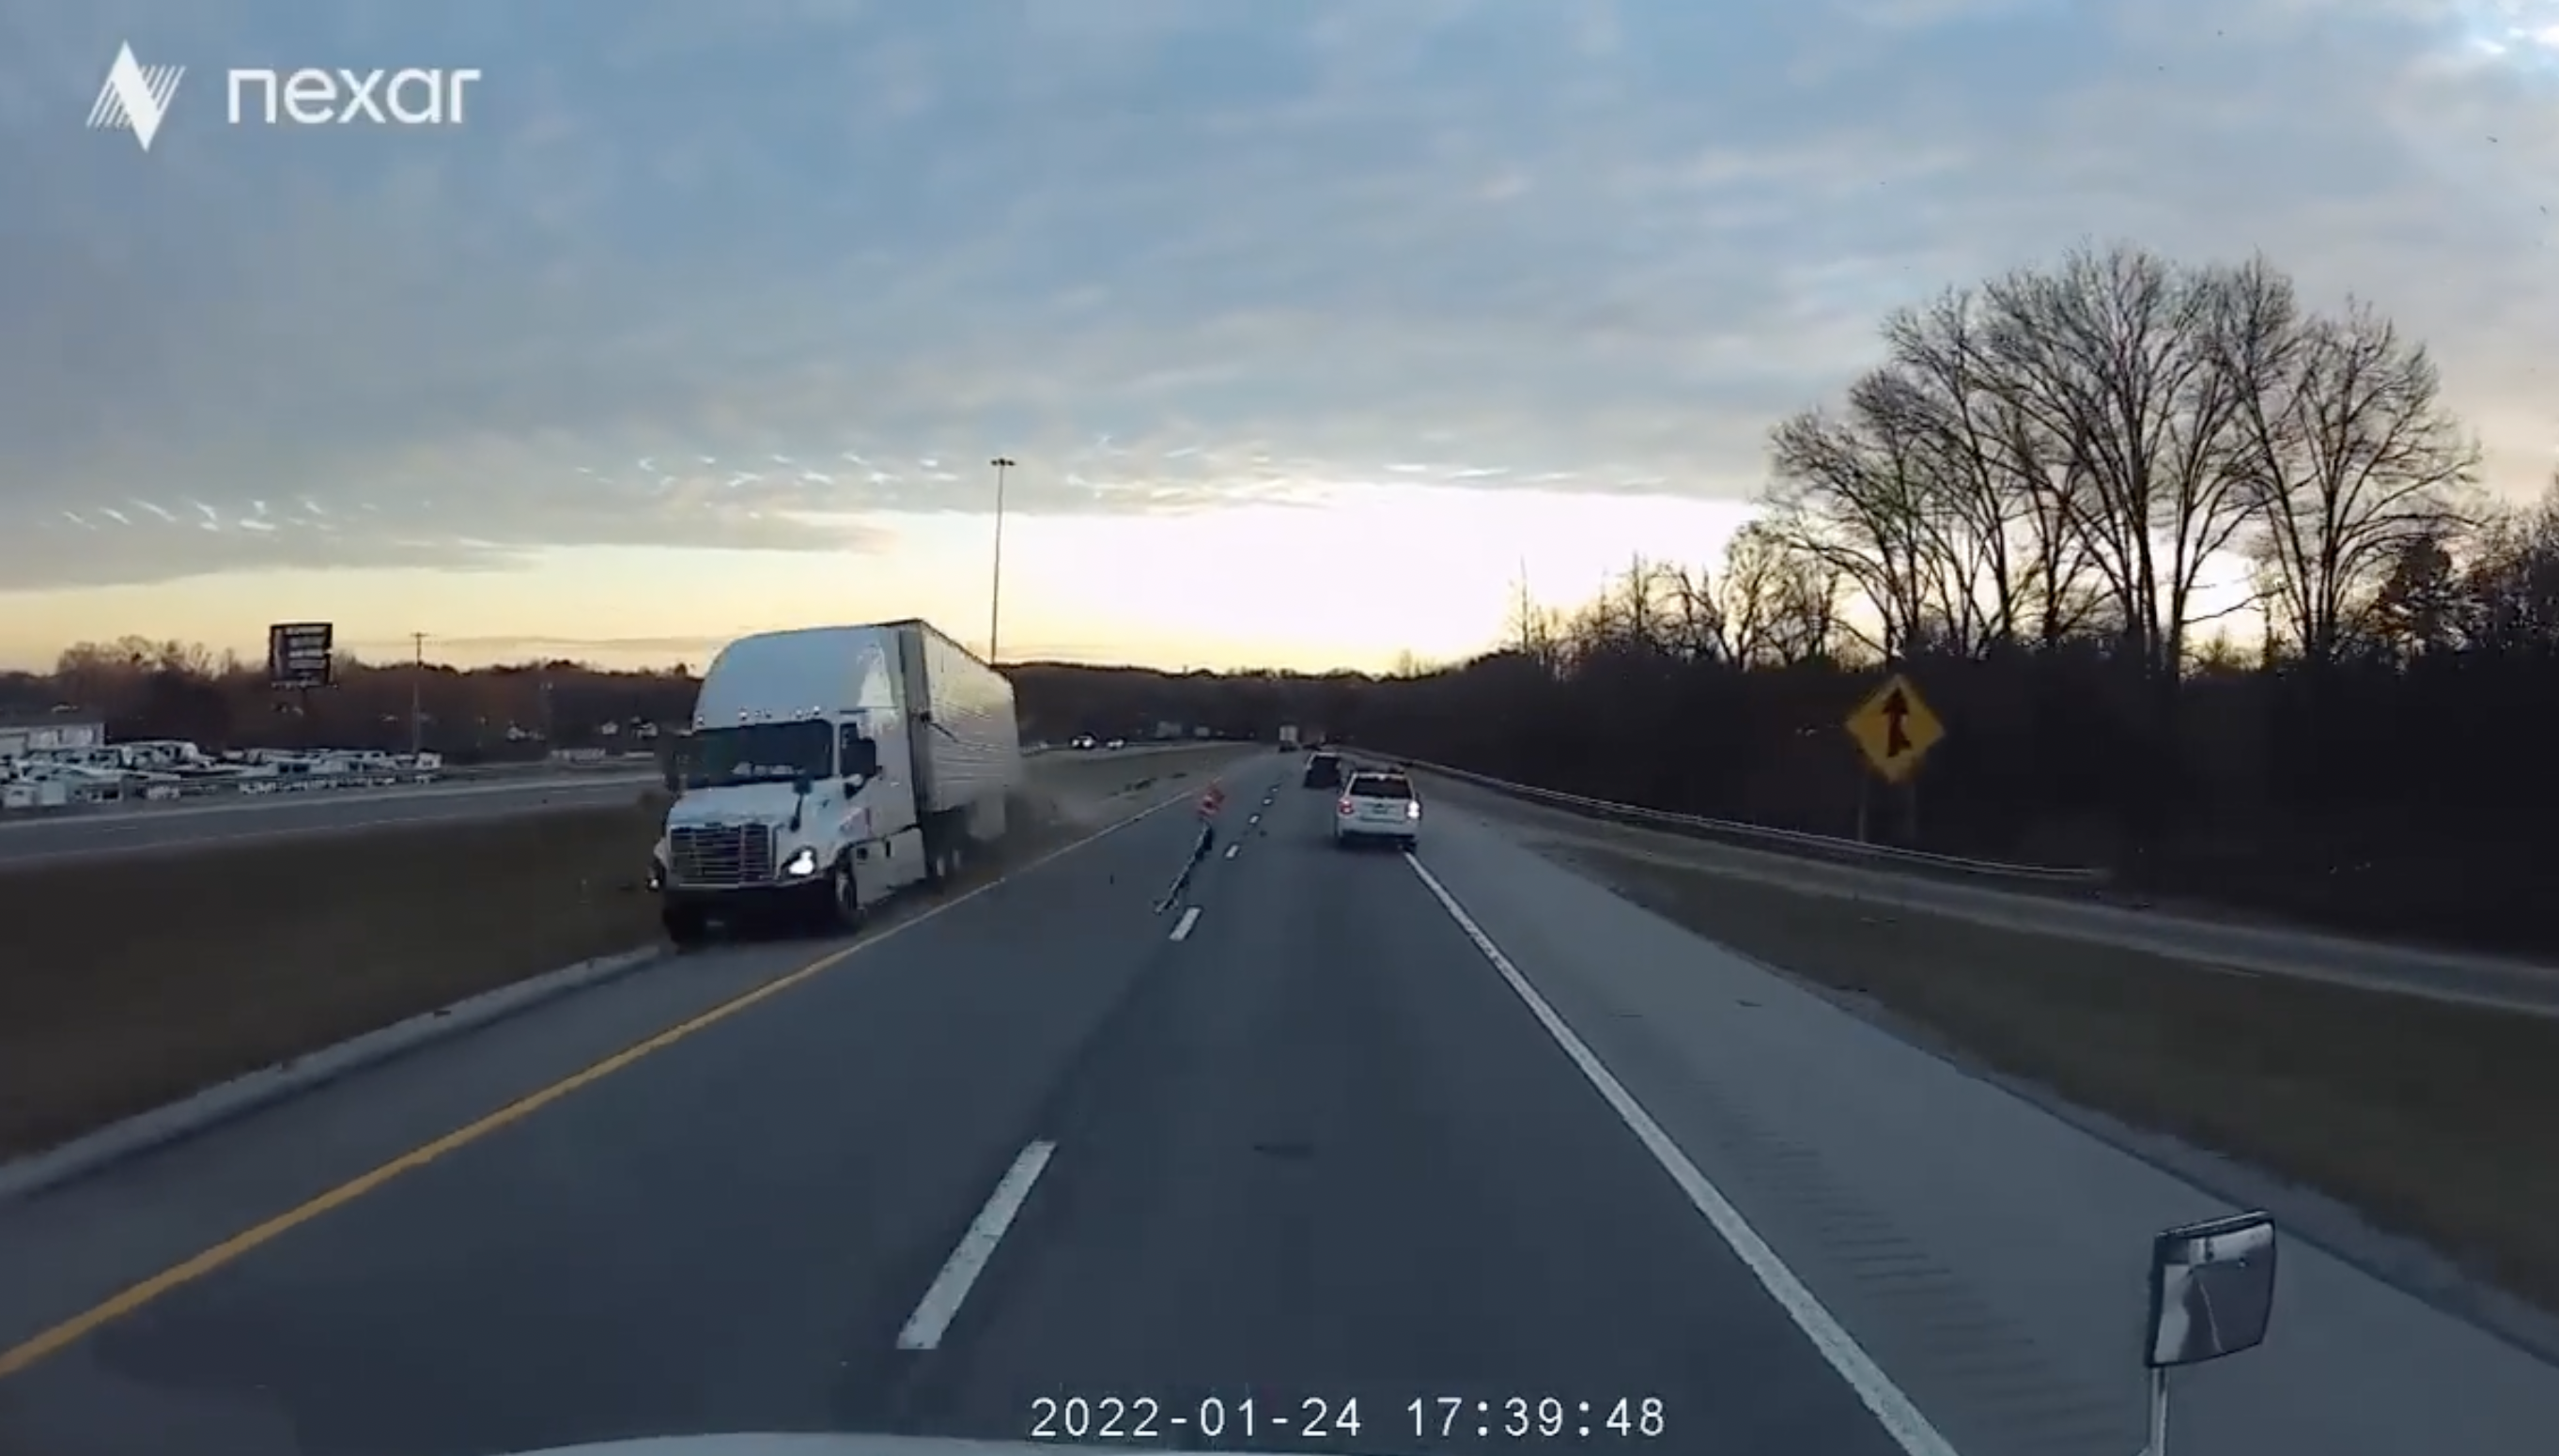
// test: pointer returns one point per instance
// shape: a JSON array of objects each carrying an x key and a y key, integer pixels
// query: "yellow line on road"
[{"x": 80, "y": 1326}]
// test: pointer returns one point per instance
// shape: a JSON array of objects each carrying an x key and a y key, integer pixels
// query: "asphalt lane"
[
  {"x": 1324, "y": 1161},
  {"x": 1314, "y": 1150},
  {"x": 724, "y": 1235}
]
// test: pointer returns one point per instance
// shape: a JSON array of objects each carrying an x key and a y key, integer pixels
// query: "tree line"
[
  {"x": 2046, "y": 505},
  {"x": 2043, "y": 505},
  {"x": 145, "y": 688}
]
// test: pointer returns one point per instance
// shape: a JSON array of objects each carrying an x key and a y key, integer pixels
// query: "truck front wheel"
[{"x": 843, "y": 899}]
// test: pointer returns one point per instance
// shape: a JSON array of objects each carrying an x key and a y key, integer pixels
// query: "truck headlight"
[
  {"x": 656, "y": 875},
  {"x": 802, "y": 863}
]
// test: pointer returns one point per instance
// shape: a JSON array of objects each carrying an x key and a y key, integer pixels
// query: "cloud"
[{"x": 732, "y": 275}]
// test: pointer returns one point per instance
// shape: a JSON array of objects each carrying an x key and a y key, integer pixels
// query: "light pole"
[
  {"x": 996, "y": 595},
  {"x": 416, "y": 694}
]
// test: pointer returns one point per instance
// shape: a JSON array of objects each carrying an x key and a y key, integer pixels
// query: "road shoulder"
[{"x": 1989, "y": 1252}]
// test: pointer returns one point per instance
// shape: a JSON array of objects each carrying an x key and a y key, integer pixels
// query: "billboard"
[{"x": 300, "y": 653}]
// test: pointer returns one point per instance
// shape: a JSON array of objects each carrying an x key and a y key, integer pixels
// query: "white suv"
[{"x": 1377, "y": 806}]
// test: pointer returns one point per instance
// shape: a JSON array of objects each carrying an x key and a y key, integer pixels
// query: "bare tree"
[
  {"x": 2121, "y": 356},
  {"x": 2008, "y": 502},
  {"x": 1631, "y": 612},
  {"x": 1855, "y": 494},
  {"x": 2353, "y": 461},
  {"x": 1747, "y": 594},
  {"x": 1408, "y": 663},
  {"x": 1640, "y": 594},
  {"x": 2416, "y": 609},
  {"x": 1808, "y": 625},
  {"x": 2509, "y": 598},
  {"x": 1693, "y": 630},
  {"x": 1533, "y": 631}
]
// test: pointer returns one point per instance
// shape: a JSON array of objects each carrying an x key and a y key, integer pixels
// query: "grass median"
[
  {"x": 2434, "y": 1121},
  {"x": 132, "y": 982}
]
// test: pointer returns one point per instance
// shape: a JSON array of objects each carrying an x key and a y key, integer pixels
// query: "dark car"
[{"x": 1323, "y": 771}]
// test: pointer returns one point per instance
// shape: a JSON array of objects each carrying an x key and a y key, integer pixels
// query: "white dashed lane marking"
[{"x": 933, "y": 1315}]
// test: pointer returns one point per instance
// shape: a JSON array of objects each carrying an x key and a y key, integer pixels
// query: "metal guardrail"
[
  {"x": 1795, "y": 842},
  {"x": 316, "y": 782}
]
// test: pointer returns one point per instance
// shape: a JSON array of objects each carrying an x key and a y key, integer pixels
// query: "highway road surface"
[
  {"x": 1430, "y": 1134},
  {"x": 216, "y": 823}
]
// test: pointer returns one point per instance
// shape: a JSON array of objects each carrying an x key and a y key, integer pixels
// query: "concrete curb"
[{"x": 176, "y": 1122}]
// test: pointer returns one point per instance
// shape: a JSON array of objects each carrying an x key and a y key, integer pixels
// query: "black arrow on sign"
[{"x": 1896, "y": 738}]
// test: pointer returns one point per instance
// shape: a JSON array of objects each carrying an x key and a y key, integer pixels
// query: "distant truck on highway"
[
  {"x": 828, "y": 768},
  {"x": 1287, "y": 738}
]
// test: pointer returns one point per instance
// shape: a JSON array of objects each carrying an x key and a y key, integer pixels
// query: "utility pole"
[
  {"x": 995, "y": 594},
  {"x": 416, "y": 693}
]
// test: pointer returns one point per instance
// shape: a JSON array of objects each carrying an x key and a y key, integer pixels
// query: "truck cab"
[{"x": 788, "y": 817}]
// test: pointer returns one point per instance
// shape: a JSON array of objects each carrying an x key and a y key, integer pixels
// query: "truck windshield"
[{"x": 758, "y": 753}]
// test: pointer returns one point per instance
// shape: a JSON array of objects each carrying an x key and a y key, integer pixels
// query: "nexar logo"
[
  {"x": 137, "y": 97},
  {"x": 410, "y": 96}
]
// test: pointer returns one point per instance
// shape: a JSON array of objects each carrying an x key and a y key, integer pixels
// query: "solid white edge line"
[
  {"x": 1182, "y": 928},
  {"x": 1900, "y": 1419},
  {"x": 941, "y": 1303}
]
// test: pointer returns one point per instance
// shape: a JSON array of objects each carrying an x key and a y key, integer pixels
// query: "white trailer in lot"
[{"x": 828, "y": 768}]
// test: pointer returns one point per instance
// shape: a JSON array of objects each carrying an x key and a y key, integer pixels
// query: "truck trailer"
[{"x": 828, "y": 768}]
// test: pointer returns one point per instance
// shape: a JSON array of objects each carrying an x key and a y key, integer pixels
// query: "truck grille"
[{"x": 723, "y": 854}]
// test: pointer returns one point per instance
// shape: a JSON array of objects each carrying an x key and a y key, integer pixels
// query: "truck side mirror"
[
  {"x": 861, "y": 758},
  {"x": 2212, "y": 1290}
]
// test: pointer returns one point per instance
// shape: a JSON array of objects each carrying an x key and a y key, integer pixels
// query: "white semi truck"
[{"x": 828, "y": 768}]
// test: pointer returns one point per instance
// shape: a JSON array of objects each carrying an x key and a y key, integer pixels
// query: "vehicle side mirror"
[
  {"x": 861, "y": 759},
  {"x": 2212, "y": 1290}
]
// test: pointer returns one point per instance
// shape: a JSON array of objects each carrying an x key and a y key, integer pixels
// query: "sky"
[{"x": 1314, "y": 325}]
